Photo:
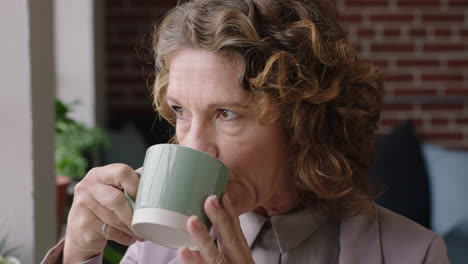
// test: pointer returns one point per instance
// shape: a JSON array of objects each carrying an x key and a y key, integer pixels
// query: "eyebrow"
[{"x": 215, "y": 105}]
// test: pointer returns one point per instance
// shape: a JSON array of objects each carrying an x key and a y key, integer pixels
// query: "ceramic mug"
[{"x": 174, "y": 184}]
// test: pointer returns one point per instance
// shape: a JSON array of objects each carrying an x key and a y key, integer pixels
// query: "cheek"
[
  {"x": 181, "y": 130},
  {"x": 259, "y": 159}
]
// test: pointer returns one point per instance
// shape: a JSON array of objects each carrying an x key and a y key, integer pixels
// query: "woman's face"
[{"x": 214, "y": 116}]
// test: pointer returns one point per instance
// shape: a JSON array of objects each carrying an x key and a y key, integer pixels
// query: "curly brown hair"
[{"x": 294, "y": 57}]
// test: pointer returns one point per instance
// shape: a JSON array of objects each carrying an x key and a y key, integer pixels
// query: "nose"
[{"x": 201, "y": 138}]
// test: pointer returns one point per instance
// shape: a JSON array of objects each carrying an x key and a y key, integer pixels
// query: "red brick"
[
  {"x": 461, "y": 121},
  {"x": 417, "y": 32},
  {"x": 439, "y": 136},
  {"x": 457, "y": 92},
  {"x": 126, "y": 18},
  {"x": 441, "y": 77},
  {"x": 443, "y": 32},
  {"x": 397, "y": 107},
  {"x": 121, "y": 49},
  {"x": 420, "y": 3},
  {"x": 365, "y": 33},
  {"x": 457, "y": 63},
  {"x": 115, "y": 94},
  {"x": 131, "y": 110},
  {"x": 464, "y": 32},
  {"x": 442, "y": 107},
  {"x": 389, "y": 122},
  {"x": 391, "y": 32},
  {"x": 458, "y": 3},
  {"x": 417, "y": 63},
  {"x": 391, "y": 18},
  {"x": 444, "y": 47},
  {"x": 415, "y": 92},
  {"x": 153, "y": 3},
  {"x": 443, "y": 18},
  {"x": 119, "y": 79},
  {"x": 439, "y": 121},
  {"x": 128, "y": 34},
  {"x": 350, "y": 18},
  {"x": 392, "y": 122},
  {"x": 398, "y": 77},
  {"x": 392, "y": 47},
  {"x": 366, "y": 3},
  {"x": 115, "y": 64},
  {"x": 115, "y": 3}
]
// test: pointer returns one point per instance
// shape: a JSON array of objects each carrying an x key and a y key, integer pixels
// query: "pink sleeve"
[
  {"x": 139, "y": 252},
  {"x": 54, "y": 256},
  {"x": 132, "y": 254}
]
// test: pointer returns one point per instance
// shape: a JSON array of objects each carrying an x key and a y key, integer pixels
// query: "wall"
[
  {"x": 27, "y": 207},
  {"x": 78, "y": 35},
  {"x": 419, "y": 44}
]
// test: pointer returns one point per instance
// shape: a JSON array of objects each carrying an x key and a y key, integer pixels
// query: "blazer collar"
[{"x": 290, "y": 229}]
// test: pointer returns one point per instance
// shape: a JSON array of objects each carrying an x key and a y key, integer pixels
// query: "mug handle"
[{"x": 129, "y": 198}]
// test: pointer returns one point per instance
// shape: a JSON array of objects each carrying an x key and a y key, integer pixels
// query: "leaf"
[
  {"x": 73, "y": 141},
  {"x": 6, "y": 252},
  {"x": 2, "y": 244},
  {"x": 10, "y": 251}
]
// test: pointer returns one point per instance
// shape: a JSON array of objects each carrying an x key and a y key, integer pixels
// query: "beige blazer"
[{"x": 387, "y": 239}]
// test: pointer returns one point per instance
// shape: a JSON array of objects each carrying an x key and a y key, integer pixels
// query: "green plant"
[
  {"x": 112, "y": 255},
  {"x": 6, "y": 255},
  {"x": 73, "y": 141}
]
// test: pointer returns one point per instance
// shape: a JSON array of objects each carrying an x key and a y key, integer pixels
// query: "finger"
[
  {"x": 118, "y": 175},
  {"x": 111, "y": 206},
  {"x": 190, "y": 257},
  {"x": 118, "y": 236},
  {"x": 232, "y": 242},
  {"x": 227, "y": 205},
  {"x": 208, "y": 250},
  {"x": 107, "y": 216}
]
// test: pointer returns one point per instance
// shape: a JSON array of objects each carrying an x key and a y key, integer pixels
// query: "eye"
[
  {"x": 227, "y": 115},
  {"x": 181, "y": 113}
]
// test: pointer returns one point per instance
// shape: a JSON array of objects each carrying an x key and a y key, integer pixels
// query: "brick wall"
[{"x": 421, "y": 46}]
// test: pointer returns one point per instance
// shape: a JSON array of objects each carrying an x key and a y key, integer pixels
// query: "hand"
[
  {"x": 233, "y": 246},
  {"x": 99, "y": 199}
]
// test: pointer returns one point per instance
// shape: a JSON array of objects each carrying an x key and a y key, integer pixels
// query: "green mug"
[{"x": 174, "y": 184}]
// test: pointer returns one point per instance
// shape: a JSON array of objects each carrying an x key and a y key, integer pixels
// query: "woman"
[{"x": 273, "y": 89}]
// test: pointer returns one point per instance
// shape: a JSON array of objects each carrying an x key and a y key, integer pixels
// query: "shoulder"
[
  {"x": 397, "y": 227},
  {"x": 392, "y": 238},
  {"x": 401, "y": 235}
]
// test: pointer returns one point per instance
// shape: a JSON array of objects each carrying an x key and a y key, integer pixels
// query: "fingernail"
[
  {"x": 214, "y": 201},
  {"x": 196, "y": 223}
]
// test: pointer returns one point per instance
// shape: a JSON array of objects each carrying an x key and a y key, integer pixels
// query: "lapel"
[{"x": 360, "y": 240}]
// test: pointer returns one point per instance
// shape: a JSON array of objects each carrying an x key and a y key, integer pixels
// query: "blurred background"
[{"x": 94, "y": 57}]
